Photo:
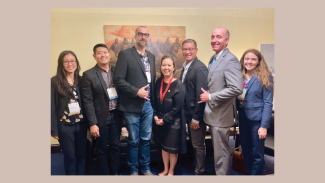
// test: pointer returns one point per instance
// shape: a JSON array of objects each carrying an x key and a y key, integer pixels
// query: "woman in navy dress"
[
  {"x": 170, "y": 129},
  {"x": 254, "y": 109}
]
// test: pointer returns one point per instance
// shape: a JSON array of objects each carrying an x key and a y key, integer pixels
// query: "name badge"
[
  {"x": 111, "y": 93},
  {"x": 74, "y": 108},
  {"x": 148, "y": 77},
  {"x": 242, "y": 96}
]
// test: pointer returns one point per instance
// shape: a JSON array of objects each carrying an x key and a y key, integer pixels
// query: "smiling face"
[
  {"x": 219, "y": 40},
  {"x": 69, "y": 63},
  {"x": 102, "y": 56},
  {"x": 250, "y": 61},
  {"x": 167, "y": 67},
  {"x": 189, "y": 51},
  {"x": 141, "y": 40}
]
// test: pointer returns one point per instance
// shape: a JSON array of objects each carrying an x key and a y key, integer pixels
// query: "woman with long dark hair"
[
  {"x": 170, "y": 129},
  {"x": 254, "y": 109},
  {"x": 67, "y": 117}
]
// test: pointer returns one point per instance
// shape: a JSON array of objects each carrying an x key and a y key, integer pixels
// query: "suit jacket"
[
  {"x": 95, "y": 96},
  {"x": 58, "y": 104},
  {"x": 225, "y": 83},
  {"x": 130, "y": 76},
  {"x": 258, "y": 102},
  {"x": 195, "y": 79}
]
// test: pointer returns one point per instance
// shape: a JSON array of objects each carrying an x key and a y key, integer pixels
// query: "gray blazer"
[{"x": 225, "y": 83}]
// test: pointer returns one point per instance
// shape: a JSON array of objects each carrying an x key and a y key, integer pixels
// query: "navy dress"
[{"x": 171, "y": 136}]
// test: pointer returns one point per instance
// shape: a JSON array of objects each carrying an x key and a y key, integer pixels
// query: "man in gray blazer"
[{"x": 225, "y": 83}]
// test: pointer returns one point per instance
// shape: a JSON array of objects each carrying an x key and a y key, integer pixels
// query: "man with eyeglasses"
[
  {"x": 225, "y": 83},
  {"x": 194, "y": 77},
  {"x": 135, "y": 76}
]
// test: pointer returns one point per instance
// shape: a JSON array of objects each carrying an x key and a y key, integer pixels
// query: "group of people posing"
[{"x": 105, "y": 95}]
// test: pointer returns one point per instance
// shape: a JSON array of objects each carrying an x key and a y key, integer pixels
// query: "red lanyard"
[{"x": 162, "y": 95}]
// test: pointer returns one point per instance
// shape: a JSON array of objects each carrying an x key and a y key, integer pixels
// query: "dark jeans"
[
  {"x": 109, "y": 157},
  {"x": 72, "y": 139},
  {"x": 252, "y": 146},
  {"x": 139, "y": 126}
]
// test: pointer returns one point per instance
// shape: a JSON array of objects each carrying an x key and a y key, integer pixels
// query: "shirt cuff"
[
  {"x": 195, "y": 121},
  {"x": 209, "y": 97}
]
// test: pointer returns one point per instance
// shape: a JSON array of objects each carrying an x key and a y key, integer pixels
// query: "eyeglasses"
[
  {"x": 140, "y": 34},
  {"x": 67, "y": 62},
  {"x": 188, "y": 49}
]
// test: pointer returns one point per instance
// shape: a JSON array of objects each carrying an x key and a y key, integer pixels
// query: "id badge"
[
  {"x": 111, "y": 93},
  {"x": 74, "y": 108},
  {"x": 148, "y": 77},
  {"x": 242, "y": 96}
]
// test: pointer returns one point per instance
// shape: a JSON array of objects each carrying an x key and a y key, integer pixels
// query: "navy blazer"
[
  {"x": 258, "y": 102},
  {"x": 195, "y": 79}
]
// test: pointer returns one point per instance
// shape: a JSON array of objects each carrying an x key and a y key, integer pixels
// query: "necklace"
[{"x": 161, "y": 94}]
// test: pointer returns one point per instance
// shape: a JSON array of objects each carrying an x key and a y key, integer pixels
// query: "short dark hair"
[
  {"x": 174, "y": 64},
  {"x": 189, "y": 41},
  {"x": 99, "y": 45}
]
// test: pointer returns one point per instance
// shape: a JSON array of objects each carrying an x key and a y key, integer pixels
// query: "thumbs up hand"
[{"x": 204, "y": 97}]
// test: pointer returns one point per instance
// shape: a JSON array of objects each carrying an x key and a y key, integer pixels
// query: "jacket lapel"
[
  {"x": 190, "y": 69},
  {"x": 218, "y": 61},
  {"x": 181, "y": 77},
  {"x": 152, "y": 67},
  {"x": 78, "y": 90},
  {"x": 209, "y": 66},
  {"x": 250, "y": 83},
  {"x": 102, "y": 82},
  {"x": 136, "y": 55}
]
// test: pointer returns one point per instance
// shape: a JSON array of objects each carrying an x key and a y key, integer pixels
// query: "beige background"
[
  {"x": 79, "y": 29},
  {"x": 26, "y": 49}
]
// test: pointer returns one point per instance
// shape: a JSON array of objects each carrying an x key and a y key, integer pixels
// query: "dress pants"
[
  {"x": 252, "y": 146},
  {"x": 220, "y": 138},
  {"x": 72, "y": 139},
  {"x": 108, "y": 158},
  {"x": 197, "y": 138}
]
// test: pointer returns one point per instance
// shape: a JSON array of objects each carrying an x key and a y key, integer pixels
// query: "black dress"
[{"x": 172, "y": 135}]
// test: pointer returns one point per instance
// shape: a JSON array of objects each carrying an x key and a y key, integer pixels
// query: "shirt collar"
[
  {"x": 103, "y": 70},
  {"x": 188, "y": 65},
  {"x": 145, "y": 53},
  {"x": 217, "y": 55}
]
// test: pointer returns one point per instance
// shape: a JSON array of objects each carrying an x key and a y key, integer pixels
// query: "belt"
[{"x": 112, "y": 111}]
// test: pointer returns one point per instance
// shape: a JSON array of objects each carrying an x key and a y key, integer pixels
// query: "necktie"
[{"x": 213, "y": 61}]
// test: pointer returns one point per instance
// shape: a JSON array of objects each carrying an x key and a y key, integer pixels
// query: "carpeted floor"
[{"x": 57, "y": 167}]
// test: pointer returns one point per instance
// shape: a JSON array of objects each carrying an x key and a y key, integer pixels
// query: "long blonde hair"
[{"x": 262, "y": 71}]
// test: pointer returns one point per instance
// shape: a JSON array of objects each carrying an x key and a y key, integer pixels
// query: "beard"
[{"x": 142, "y": 44}]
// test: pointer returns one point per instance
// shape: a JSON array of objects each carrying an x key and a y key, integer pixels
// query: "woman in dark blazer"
[
  {"x": 67, "y": 115},
  {"x": 254, "y": 109}
]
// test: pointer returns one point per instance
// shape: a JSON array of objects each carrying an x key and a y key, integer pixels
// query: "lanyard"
[{"x": 162, "y": 95}]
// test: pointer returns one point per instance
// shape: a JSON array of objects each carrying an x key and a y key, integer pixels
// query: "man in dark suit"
[
  {"x": 100, "y": 102},
  {"x": 194, "y": 77},
  {"x": 135, "y": 76}
]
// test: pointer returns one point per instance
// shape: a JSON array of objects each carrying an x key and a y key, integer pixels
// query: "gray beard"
[{"x": 139, "y": 44}]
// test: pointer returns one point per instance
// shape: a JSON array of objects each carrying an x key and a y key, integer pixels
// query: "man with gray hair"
[
  {"x": 225, "y": 83},
  {"x": 194, "y": 77}
]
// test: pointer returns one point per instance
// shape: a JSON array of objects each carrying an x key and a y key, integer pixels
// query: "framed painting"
[{"x": 163, "y": 40}]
